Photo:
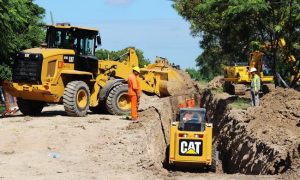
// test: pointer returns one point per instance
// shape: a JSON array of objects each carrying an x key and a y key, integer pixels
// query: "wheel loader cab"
[{"x": 82, "y": 41}]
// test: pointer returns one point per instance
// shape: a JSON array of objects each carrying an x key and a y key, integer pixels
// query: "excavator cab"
[{"x": 266, "y": 66}]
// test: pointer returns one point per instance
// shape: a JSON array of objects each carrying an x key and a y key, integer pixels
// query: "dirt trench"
[
  {"x": 261, "y": 140},
  {"x": 256, "y": 141},
  {"x": 156, "y": 115}
]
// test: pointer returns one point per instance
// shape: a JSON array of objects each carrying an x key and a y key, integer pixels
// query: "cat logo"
[{"x": 190, "y": 148}]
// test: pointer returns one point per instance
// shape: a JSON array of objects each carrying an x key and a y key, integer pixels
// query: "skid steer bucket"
[{"x": 162, "y": 78}]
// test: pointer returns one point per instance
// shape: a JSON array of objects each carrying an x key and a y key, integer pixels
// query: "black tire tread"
[
  {"x": 69, "y": 98},
  {"x": 30, "y": 107},
  {"x": 213, "y": 166},
  {"x": 110, "y": 100}
]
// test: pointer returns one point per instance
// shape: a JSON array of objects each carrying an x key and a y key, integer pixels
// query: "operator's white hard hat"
[{"x": 253, "y": 69}]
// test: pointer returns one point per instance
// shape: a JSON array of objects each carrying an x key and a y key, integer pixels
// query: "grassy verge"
[{"x": 240, "y": 103}]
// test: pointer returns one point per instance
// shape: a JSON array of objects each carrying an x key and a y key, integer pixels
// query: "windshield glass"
[
  {"x": 266, "y": 66},
  {"x": 192, "y": 119},
  {"x": 86, "y": 45},
  {"x": 59, "y": 38}
]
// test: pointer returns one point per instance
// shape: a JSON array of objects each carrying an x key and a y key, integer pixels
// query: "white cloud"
[{"x": 118, "y": 2}]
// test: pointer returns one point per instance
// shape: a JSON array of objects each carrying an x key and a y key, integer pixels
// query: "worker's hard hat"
[
  {"x": 137, "y": 69},
  {"x": 253, "y": 69}
]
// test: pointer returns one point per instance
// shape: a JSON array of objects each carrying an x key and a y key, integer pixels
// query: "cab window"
[
  {"x": 59, "y": 38},
  {"x": 86, "y": 46},
  {"x": 266, "y": 65},
  {"x": 191, "y": 120}
]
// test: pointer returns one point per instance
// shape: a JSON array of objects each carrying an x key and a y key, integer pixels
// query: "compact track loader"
[
  {"x": 66, "y": 71},
  {"x": 191, "y": 140}
]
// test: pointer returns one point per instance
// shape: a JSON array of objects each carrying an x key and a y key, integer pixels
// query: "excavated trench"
[
  {"x": 262, "y": 140},
  {"x": 241, "y": 148}
]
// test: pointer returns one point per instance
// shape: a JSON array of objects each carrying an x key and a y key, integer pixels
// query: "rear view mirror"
[{"x": 99, "y": 40}]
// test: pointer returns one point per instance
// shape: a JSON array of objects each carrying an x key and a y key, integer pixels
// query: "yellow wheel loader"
[
  {"x": 191, "y": 141},
  {"x": 66, "y": 71}
]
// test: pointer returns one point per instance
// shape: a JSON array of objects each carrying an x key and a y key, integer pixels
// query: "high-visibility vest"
[{"x": 255, "y": 83}]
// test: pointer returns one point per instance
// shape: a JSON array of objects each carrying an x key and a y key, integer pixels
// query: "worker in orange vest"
[{"x": 134, "y": 92}]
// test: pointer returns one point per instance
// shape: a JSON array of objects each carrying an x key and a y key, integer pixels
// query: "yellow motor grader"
[{"x": 66, "y": 71}]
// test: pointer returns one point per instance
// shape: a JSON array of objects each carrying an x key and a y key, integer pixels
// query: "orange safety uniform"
[{"x": 134, "y": 91}]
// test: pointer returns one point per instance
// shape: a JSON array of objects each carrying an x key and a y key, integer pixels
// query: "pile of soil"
[
  {"x": 183, "y": 87},
  {"x": 216, "y": 83},
  {"x": 277, "y": 124}
]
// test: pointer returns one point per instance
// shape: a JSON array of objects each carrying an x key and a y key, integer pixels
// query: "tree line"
[
  {"x": 230, "y": 29},
  {"x": 21, "y": 28}
]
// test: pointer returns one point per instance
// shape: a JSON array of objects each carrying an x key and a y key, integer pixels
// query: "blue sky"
[{"x": 150, "y": 25}]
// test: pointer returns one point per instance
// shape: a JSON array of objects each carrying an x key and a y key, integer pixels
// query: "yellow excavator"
[
  {"x": 65, "y": 70},
  {"x": 237, "y": 77}
]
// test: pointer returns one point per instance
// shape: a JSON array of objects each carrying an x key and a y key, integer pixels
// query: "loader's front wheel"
[
  {"x": 30, "y": 107},
  {"x": 118, "y": 101},
  {"x": 76, "y": 98}
]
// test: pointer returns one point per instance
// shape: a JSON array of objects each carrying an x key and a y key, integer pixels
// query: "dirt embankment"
[{"x": 259, "y": 140}]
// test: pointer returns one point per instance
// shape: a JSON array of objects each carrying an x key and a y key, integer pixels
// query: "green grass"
[
  {"x": 203, "y": 82},
  {"x": 240, "y": 103},
  {"x": 2, "y": 108},
  {"x": 218, "y": 90}
]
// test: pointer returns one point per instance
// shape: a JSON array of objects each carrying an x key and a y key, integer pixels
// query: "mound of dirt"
[
  {"x": 278, "y": 117},
  {"x": 216, "y": 83},
  {"x": 188, "y": 86},
  {"x": 277, "y": 124}
]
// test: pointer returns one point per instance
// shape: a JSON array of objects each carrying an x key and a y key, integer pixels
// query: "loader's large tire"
[
  {"x": 30, "y": 107},
  {"x": 76, "y": 98},
  {"x": 213, "y": 166},
  {"x": 117, "y": 101}
]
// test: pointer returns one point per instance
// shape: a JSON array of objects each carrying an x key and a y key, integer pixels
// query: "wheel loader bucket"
[{"x": 162, "y": 78}]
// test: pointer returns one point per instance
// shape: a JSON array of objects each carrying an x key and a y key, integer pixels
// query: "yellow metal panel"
[
  {"x": 176, "y": 158},
  {"x": 70, "y": 27}
]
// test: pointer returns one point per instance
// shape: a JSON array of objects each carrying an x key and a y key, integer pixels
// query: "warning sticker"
[{"x": 190, "y": 147}]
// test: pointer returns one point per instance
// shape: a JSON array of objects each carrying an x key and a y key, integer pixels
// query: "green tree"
[
  {"x": 228, "y": 29},
  {"x": 194, "y": 73},
  {"x": 106, "y": 54},
  {"x": 21, "y": 28}
]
